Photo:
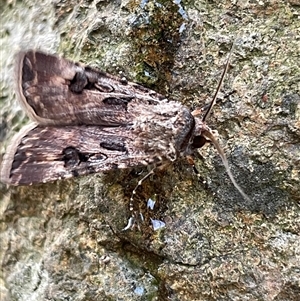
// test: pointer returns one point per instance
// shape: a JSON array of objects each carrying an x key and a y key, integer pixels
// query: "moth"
[{"x": 86, "y": 121}]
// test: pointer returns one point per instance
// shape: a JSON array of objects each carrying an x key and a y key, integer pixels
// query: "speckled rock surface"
[{"x": 64, "y": 240}]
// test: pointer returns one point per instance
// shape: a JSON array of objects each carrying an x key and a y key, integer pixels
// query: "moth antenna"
[
  {"x": 207, "y": 113},
  {"x": 209, "y": 135}
]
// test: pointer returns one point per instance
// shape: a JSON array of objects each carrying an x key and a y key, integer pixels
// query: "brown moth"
[{"x": 87, "y": 121}]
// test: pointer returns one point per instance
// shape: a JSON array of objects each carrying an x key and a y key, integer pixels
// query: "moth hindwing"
[{"x": 87, "y": 121}]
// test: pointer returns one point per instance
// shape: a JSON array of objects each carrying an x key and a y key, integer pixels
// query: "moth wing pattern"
[
  {"x": 54, "y": 90},
  {"x": 30, "y": 163},
  {"x": 87, "y": 121}
]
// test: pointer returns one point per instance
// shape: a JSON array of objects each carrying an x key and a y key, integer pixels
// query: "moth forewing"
[
  {"x": 40, "y": 154},
  {"x": 56, "y": 91}
]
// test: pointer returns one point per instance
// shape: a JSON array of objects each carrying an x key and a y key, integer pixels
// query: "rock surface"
[{"x": 64, "y": 240}]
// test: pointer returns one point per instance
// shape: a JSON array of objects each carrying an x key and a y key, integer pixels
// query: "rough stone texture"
[{"x": 63, "y": 240}]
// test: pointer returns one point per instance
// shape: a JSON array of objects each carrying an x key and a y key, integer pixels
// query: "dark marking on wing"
[{"x": 114, "y": 146}]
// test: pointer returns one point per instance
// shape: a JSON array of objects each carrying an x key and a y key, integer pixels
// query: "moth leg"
[
  {"x": 133, "y": 218},
  {"x": 151, "y": 172}
]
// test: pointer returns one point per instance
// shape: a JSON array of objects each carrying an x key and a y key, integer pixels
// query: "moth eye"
[{"x": 198, "y": 141}]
